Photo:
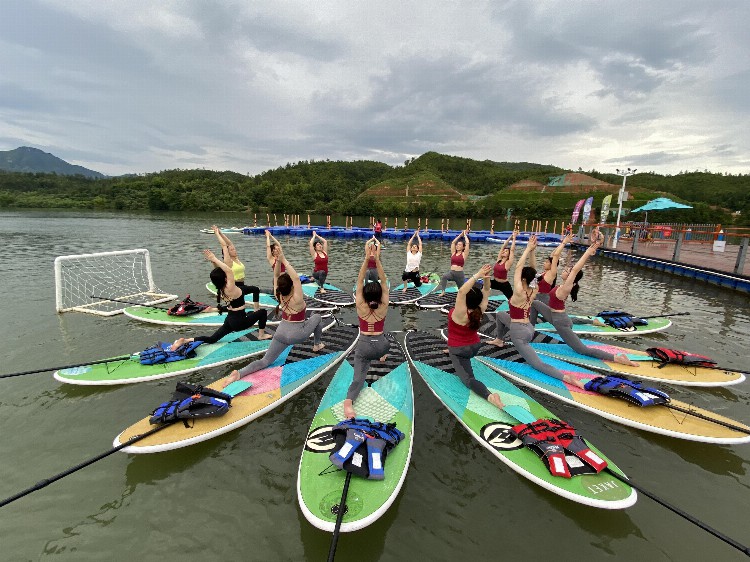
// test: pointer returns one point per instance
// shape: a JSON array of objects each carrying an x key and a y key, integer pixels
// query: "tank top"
[
  {"x": 238, "y": 270},
  {"x": 283, "y": 267},
  {"x": 366, "y": 325},
  {"x": 371, "y": 263},
  {"x": 544, "y": 287},
  {"x": 413, "y": 261},
  {"x": 288, "y": 315},
  {"x": 378, "y": 227},
  {"x": 458, "y": 335},
  {"x": 321, "y": 263},
  {"x": 500, "y": 272},
  {"x": 517, "y": 313},
  {"x": 457, "y": 259},
  {"x": 554, "y": 302}
]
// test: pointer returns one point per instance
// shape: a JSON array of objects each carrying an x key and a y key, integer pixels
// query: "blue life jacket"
[
  {"x": 362, "y": 446},
  {"x": 632, "y": 391},
  {"x": 621, "y": 320},
  {"x": 161, "y": 353},
  {"x": 551, "y": 439},
  {"x": 191, "y": 401}
]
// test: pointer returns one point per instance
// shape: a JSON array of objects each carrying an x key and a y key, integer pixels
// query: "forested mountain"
[
  {"x": 421, "y": 187},
  {"x": 27, "y": 159}
]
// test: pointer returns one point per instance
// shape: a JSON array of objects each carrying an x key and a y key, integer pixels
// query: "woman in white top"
[{"x": 413, "y": 259}]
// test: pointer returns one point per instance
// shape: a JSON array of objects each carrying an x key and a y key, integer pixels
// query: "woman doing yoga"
[{"x": 459, "y": 255}]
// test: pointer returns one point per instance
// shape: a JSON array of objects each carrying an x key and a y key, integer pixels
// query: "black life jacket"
[
  {"x": 632, "y": 391},
  {"x": 187, "y": 307},
  {"x": 666, "y": 356},
  {"x": 362, "y": 446},
  {"x": 191, "y": 401},
  {"x": 551, "y": 440}
]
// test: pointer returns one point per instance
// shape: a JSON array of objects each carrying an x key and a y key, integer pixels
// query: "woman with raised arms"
[
  {"x": 319, "y": 252},
  {"x": 413, "y": 261},
  {"x": 505, "y": 258},
  {"x": 459, "y": 254}
]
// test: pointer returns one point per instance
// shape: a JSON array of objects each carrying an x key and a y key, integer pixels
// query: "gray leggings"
[
  {"x": 461, "y": 359},
  {"x": 453, "y": 275},
  {"x": 288, "y": 333},
  {"x": 368, "y": 349},
  {"x": 320, "y": 277},
  {"x": 534, "y": 313},
  {"x": 564, "y": 325},
  {"x": 521, "y": 334},
  {"x": 371, "y": 276}
]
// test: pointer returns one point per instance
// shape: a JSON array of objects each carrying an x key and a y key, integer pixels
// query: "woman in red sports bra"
[
  {"x": 371, "y": 300},
  {"x": 294, "y": 327},
  {"x": 516, "y": 321},
  {"x": 548, "y": 279},
  {"x": 463, "y": 335},
  {"x": 505, "y": 258},
  {"x": 459, "y": 255},
  {"x": 319, "y": 252},
  {"x": 373, "y": 255}
]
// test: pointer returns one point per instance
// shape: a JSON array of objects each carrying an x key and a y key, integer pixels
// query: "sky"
[{"x": 143, "y": 86}]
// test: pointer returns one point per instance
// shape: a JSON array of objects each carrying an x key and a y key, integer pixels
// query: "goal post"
[{"x": 85, "y": 282}]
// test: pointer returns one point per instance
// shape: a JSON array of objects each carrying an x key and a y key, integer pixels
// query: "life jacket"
[
  {"x": 191, "y": 401},
  {"x": 632, "y": 391},
  {"x": 161, "y": 353},
  {"x": 551, "y": 440},
  {"x": 305, "y": 279},
  {"x": 187, "y": 307},
  {"x": 621, "y": 320},
  {"x": 362, "y": 446},
  {"x": 666, "y": 356}
]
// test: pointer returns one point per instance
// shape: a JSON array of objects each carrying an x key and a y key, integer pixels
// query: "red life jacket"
[{"x": 666, "y": 356}]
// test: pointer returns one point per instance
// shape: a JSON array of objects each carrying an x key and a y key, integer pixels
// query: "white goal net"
[{"x": 105, "y": 283}]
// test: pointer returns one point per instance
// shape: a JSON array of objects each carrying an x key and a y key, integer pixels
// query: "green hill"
[{"x": 27, "y": 159}]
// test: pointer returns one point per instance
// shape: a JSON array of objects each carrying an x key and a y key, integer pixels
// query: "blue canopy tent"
[{"x": 660, "y": 204}]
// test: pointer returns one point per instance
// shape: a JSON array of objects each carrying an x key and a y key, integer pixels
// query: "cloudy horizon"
[{"x": 140, "y": 87}]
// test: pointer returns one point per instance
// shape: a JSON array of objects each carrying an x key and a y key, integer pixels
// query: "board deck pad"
[
  {"x": 490, "y": 426},
  {"x": 296, "y": 368},
  {"x": 448, "y": 300},
  {"x": 159, "y": 316},
  {"x": 656, "y": 419},
  {"x": 236, "y": 346},
  {"x": 654, "y": 325},
  {"x": 648, "y": 368},
  {"x": 388, "y": 398},
  {"x": 332, "y": 296}
]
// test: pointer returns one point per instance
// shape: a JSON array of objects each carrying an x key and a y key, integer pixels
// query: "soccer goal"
[{"x": 94, "y": 283}]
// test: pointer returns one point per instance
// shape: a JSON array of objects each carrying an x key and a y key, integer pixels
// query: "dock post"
[
  {"x": 678, "y": 246},
  {"x": 741, "y": 255},
  {"x": 636, "y": 234}
]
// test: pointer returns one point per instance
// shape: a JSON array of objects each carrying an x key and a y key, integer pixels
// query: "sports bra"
[
  {"x": 321, "y": 263},
  {"x": 458, "y": 335},
  {"x": 273, "y": 266},
  {"x": 555, "y": 303},
  {"x": 457, "y": 259},
  {"x": 517, "y": 313},
  {"x": 544, "y": 287},
  {"x": 293, "y": 316},
  {"x": 366, "y": 325},
  {"x": 238, "y": 270},
  {"x": 371, "y": 263},
  {"x": 500, "y": 272}
]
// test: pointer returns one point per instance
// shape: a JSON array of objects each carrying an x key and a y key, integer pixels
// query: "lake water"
[{"x": 234, "y": 498}]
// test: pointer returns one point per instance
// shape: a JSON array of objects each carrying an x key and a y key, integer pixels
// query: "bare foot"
[
  {"x": 318, "y": 347},
  {"x": 349, "y": 409},
  {"x": 498, "y": 342},
  {"x": 446, "y": 351},
  {"x": 404, "y": 290},
  {"x": 495, "y": 400},
  {"x": 382, "y": 359},
  {"x": 574, "y": 381},
  {"x": 322, "y": 290},
  {"x": 178, "y": 343},
  {"x": 440, "y": 294},
  {"x": 265, "y": 336},
  {"x": 622, "y": 359},
  {"x": 233, "y": 376},
  {"x": 597, "y": 323}
]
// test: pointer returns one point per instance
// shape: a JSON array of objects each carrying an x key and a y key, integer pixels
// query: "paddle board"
[
  {"x": 387, "y": 398},
  {"x": 490, "y": 426},
  {"x": 654, "y": 325},
  {"x": 154, "y": 315},
  {"x": 296, "y": 368},
  {"x": 232, "y": 347},
  {"x": 412, "y": 293},
  {"x": 267, "y": 300},
  {"x": 656, "y": 419},
  {"x": 332, "y": 296},
  {"x": 448, "y": 300},
  {"x": 648, "y": 368}
]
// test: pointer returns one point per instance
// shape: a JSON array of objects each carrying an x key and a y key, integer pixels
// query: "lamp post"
[{"x": 624, "y": 174}]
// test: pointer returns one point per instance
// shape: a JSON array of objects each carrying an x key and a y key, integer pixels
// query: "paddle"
[
  {"x": 524, "y": 416},
  {"x": 339, "y": 518},
  {"x": 130, "y": 302},
  {"x": 664, "y": 315},
  {"x": 122, "y": 358},
  {"x": 707, "y": 418},
  {"x": 56, "y": 477}
]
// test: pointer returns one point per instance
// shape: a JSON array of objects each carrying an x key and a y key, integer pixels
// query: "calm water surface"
[{"x": 234, "y": 498}]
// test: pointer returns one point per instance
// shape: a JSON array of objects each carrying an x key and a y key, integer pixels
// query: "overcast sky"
[{"x": 143, "y": 85}]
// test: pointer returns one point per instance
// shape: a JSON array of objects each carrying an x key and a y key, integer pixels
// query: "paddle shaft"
[
  {"x": 664, "y": 315},
  {"x": 56, "y": 477},
  {"x": 124, "y": 357},
  {"x": 130, "y": 302},
  {"x": 707, "y": 418},
  {"x": 339, "y": 518},
  {"x": 731, "y": 542}
]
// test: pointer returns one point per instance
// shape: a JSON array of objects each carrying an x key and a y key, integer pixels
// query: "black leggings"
[
  {"x": 413, "y": 276},
  {"x": 504, "y": 286},
  {"x": 236, "y": 321},
  {"x": 461, "y": 359},
  {"x": 249, "y": 289}
]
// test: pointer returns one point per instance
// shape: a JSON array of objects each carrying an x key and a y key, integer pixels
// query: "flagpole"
[{"x": 624, "y": 174}]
